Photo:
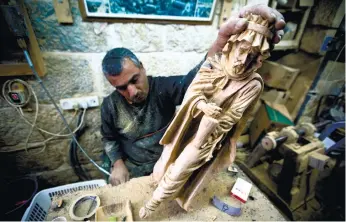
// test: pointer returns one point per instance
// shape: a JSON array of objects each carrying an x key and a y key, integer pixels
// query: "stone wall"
[{"x": 73, "y": 55}]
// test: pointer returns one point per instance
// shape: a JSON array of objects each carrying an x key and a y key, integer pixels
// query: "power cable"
[
  {"x": 73, "y": 154},
  {"x": 17, "y": 24},
  {"x": 18, "y": 108},
  {"x": 27, "y": 56}
]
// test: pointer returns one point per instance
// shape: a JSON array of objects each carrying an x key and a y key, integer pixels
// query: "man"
[{"x": 135, "y": 116}]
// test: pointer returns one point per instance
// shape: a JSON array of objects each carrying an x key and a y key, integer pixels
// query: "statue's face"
[{"x": 245, "y": 58}]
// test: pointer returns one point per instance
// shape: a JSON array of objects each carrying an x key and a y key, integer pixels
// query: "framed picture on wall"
[{"x": 155, "y": 10}]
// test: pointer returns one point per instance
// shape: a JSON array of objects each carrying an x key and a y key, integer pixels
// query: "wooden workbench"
[{"x": 138, "y": 191}]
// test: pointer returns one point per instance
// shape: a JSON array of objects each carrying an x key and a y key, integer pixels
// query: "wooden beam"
[
  {"x": 225, "y": 11},
  {"x": 287, "y": 44},
  {"x": 339, "y": 15},
  {"x": 302, "y": 25},
  {"x": 33, "y": 47},
  {"x": 63, "y": 11},
  {"x": 16, "y": 69}
]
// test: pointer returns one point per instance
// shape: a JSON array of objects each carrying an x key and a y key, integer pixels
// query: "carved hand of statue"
[{"x": 209, "y": 109}]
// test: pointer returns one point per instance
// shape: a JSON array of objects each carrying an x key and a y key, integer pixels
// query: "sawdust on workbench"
[{"x": 139, "y": 190}]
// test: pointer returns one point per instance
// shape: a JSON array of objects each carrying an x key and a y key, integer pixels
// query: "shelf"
[
  {"x": 15, "y": 69},
  {"x": 294, "y": 44},
  {"x": 286, "y": 45},
  {"x": 18, "y": 69}
]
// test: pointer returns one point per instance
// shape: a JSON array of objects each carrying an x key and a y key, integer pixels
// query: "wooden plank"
[
  {"x": 63, "y": 11},
  {"x": 294, "y": 44},
  {"x": 225, "y": 11},
  {"x": 339, "y": 15},
  {"x": 286, "y": 44},
  {"x": 15, "y": 69},
  {"x": 33, "y": 46},
  {"x": 302, "y": 25},
  {"x": 301, "y": 86}
]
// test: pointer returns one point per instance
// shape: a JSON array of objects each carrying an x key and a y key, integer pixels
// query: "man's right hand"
[{"x": 119, "y": 174}]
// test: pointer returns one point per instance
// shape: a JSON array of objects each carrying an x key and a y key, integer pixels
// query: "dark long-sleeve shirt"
[{"x": 133, "y": 132}]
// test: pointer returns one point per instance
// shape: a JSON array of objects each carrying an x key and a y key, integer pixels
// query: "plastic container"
[{"x": 38, "y": 209}]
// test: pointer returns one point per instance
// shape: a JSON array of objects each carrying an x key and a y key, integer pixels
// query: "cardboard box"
[
  {"x": 275, "y": 96},
  {"x": 269, "y": 117},
  {"x": 301, "y": 87},
  {"x": 278, "y": 76}
]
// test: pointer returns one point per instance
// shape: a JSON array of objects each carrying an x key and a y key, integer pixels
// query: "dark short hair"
[{"x": 112, "y": 63}]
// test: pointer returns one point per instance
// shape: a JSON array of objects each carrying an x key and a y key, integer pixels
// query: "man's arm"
[
  {"x": 108, "y": 132},
  {"x": 119, "y": 172}
]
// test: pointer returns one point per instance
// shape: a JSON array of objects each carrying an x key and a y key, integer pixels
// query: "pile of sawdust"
[{"x": 139, "y": 190}]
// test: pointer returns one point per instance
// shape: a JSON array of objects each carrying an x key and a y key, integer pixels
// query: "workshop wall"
[{"x": 73, "y": 55}]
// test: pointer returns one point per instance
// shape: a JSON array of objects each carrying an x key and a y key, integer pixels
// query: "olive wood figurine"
[{"x": 202, "y": 137}]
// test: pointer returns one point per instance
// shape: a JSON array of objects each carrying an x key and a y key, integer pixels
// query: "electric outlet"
[{"x": 80, "y": 102}]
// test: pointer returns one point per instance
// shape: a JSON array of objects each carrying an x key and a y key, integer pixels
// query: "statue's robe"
[{"x": 210, "y": 81}]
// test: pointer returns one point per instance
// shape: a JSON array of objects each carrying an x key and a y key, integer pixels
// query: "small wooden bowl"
[{"x": 118, "y": 210}]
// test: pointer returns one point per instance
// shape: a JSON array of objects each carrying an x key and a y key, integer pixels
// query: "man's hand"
[
  {"x": 119, "y": 174},
  {"x": 209, "y": 109},
  {"x": 237, "y": 23}
]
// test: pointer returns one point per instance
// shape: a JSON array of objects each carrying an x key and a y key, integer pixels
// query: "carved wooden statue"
[{"x": 202, "y": 137}]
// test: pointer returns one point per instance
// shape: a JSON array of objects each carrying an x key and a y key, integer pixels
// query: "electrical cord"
[
  {"x": 9, "y": 83},
  {"x": 20, "y": 111},
  {"x": 27, "y": 56},
  {"x": 18, "y": 108},
  {"x": 37, "y": 144},
  {"x": 73, "y": 154},
  {"x": 44, "y": 143}
]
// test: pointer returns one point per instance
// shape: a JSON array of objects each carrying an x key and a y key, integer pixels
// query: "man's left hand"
[{"x": 237, "y": 23}]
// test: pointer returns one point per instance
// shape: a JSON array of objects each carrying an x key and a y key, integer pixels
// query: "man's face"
[{"x": 132, "y": 83}]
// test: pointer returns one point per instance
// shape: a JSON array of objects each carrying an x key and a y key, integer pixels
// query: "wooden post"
[{"x": 63, "y": 11}]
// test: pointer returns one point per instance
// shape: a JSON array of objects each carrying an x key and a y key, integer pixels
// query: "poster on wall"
[{"x": 179, "y": 10}]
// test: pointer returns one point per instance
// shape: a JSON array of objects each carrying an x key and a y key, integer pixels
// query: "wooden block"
[
  {"x": 63, "y": 11},
  {"x": 15, "y": 69},
  {"x": 318, "y": 160},
  {"x": 315, "y": 39},
  {"x": 275, "y": 96},
  {"x": 115, "y": 212},
  {"x": 278, "y": 76},
  {"x": 328, "y": 13}
]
